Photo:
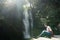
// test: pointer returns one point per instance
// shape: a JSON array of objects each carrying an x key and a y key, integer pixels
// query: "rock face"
[
  {"x": 10, "y": 32},
  {"x": 43, "y": 38},
  {"x": 11, "y": 25}
]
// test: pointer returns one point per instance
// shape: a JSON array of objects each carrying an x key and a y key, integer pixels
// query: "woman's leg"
[
  {"x": 42, "y": 32},
  {"x": 48, "y": 34}
]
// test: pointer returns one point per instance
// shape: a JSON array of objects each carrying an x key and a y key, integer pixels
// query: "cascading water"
[
  {"x": 26, "y": 23},
  {"x": 27, "y": 15}
]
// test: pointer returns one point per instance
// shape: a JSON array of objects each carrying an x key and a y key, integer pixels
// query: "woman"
[{"x": 48, "y": 31}]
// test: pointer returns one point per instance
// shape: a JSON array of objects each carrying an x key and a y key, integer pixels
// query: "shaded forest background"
[{"x": 46, "y": 11}]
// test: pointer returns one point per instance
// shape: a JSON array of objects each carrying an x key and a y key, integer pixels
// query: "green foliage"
[{"x": 46, "y": 11}]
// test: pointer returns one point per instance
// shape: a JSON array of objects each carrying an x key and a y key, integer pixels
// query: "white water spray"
[{"x": 27, "y": 15}]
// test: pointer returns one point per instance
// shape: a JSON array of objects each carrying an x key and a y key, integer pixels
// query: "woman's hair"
[{"x": 46, "y": 24}]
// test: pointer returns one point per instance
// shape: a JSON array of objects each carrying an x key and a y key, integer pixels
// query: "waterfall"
[
  {"x": 26, "y": 23},
  {"x": 27, "y": 15}
]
